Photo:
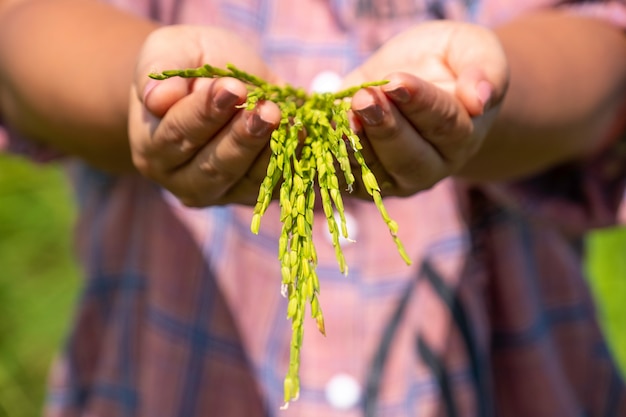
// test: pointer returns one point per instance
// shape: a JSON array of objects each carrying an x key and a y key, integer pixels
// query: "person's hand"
[
  {"x": 188, "y": 135},
  {"x": 446, "y": 83}
]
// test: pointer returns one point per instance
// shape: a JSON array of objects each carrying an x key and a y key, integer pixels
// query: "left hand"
[{"x": 446, "y": 83}]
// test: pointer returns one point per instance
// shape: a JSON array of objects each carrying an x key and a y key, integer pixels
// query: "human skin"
[
  {"x": 563, "y": 94},
  {"x": 567, "y": 86},
  {"x": 65, "y": 75},
  {"x": 202, "y": 172}
]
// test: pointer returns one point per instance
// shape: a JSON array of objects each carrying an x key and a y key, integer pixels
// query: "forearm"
[
  {"x": 568, "y": 83},
  {"x": 66, "y": 68}
]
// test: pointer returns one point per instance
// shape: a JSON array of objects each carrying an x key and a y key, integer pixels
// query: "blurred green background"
[{"x": 39, "y": 280}]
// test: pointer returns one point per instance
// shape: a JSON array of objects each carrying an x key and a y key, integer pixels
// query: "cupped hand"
[
  {"x": 189, "y": 135},
  {"x": 446, "y": 83}
]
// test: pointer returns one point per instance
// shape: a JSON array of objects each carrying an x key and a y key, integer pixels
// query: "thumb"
[
  {"x": 156, "y": 56},
  {"x": 476, "y": 92},
  {"x": 159, "y": 95},
  {"x": 481, "y": 67}
]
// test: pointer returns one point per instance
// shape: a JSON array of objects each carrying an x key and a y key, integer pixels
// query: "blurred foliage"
[
  {"x": 606, "y": 263},
  {"x": 39, "y": 280}
]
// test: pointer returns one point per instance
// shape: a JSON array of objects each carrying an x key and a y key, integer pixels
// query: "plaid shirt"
[{"x": 181, "y": 313}]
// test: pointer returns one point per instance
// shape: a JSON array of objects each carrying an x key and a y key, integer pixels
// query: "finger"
[
  {"x": 246, "y": 190},
  {"x": 156, "y": 57},
  {"x": 195, "y": 119},
  {"x": 159, "y": 95},
  {"x": 482, "y": 72},
  {"x": 231, "y": 157},
  {"x": 475, "y": 92},
  {"x": 412, "y": 162},
  {"x": 436, "y": 114}
]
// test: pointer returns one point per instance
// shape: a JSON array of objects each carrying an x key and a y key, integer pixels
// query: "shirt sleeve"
[
  {"x": 575, "y": 197},
  {"x": 495, "y": 12},
  {"x": 611, "y": 11}
]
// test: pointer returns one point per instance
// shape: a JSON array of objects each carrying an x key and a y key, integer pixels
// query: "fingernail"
[
  {"x": 372, "y": 115},
  {"x": 399, "y": 94},
  {"x": 484, "y": 92},
  {"x": 148, "y": 88},
  {"x": 257, "y": 126},
  {"x": 225, "y": 99}
]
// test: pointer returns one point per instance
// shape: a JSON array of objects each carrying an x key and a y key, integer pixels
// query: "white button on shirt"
[
  {"x": 326, "y": 82},
  {"x": 343, "y": 391}
]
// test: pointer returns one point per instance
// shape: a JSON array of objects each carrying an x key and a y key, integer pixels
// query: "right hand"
[{"x": 188, "y": 135}]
